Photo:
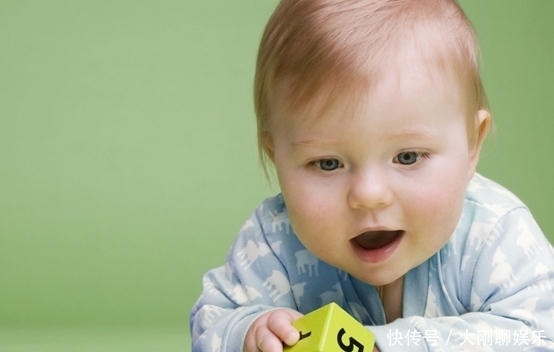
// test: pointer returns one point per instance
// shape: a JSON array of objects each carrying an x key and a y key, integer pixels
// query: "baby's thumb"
[{"x": 281, "y": 325}]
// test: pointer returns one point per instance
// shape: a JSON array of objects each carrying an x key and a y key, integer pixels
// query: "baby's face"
[{"x": 380, "y": 190}]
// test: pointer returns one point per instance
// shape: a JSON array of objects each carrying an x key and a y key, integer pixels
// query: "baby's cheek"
[
  {"x": 307, "y": 220},
  {"x": 442, "y": 207},
  {"x": 313, "y": 225}
]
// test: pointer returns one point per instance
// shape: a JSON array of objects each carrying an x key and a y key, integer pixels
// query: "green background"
[{"x": 128, "y": 155}]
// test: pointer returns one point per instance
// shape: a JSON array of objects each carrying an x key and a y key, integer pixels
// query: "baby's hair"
[{"x": 315, "y": 51}]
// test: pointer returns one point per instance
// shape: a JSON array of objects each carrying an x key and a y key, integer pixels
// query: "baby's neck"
[{"x": 391, "y": 298}]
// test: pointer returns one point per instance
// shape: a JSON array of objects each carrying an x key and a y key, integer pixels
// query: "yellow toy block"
[{"x": 331, "y": 329}]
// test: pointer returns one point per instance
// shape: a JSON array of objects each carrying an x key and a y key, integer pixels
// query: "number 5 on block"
[{"x": 331, "y": 329}]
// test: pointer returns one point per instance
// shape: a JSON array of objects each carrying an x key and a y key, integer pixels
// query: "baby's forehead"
[{"x": 392, "y": 84}]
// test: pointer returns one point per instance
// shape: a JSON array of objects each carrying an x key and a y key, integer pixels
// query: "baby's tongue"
[{"x": 375, "y": 239}]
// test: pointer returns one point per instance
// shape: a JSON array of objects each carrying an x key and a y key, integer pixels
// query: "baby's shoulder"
[
  {"x": 488, "y": 209},
  {"x": 491, "y": 196},
  {"x": 270, "y": 223},
  {"x": 273, "y": 217}
]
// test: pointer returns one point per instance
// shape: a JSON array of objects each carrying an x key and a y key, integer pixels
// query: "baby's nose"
[{"x": 370, "y": 189}]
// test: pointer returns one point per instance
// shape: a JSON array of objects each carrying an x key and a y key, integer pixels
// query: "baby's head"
[
  {"x": 314, "y": 52},
  {"x": 373, "y": 113}
]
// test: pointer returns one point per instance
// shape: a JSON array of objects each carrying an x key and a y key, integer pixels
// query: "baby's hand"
[{"x": 270, "y": 330}]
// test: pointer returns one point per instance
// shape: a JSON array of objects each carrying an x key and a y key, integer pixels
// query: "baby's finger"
[
  {"x": 280, "y": 323},
  {"x": 267, "y": 341}
]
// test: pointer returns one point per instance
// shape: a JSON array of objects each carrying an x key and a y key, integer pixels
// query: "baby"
[{"x": 373, "y": 114}]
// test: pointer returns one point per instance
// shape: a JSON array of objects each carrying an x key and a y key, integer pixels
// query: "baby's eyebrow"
[
  {"x": 417, "y": 134},
  {"x": 411, "y": 134},
  {"x": 312, "y": 141}
]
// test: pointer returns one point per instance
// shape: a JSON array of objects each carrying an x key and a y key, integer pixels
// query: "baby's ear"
[
  {"x": 483, "y": 127},
  {"x": 268, "y": 145}
]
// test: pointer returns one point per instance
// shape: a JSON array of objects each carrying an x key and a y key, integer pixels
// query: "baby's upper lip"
[
  {"x": 375, "y": 229},
  {"x": 376, "y": 238}
]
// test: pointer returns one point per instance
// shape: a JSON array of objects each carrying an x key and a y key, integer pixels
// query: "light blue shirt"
[{"x": 490, "y": 288}]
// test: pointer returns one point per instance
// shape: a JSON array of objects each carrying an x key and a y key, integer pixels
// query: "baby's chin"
[
  {"x": 377, "y": 277},
  {"x": 378, "y": 281}
]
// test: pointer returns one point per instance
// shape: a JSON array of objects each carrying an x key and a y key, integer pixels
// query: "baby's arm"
[
  {"x": 237, "y": 296},
  {"x": 270, "y": 330},
  {"x": 504, "y": 302}
]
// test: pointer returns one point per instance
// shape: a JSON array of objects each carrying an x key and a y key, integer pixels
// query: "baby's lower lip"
[{"x": 378, "y": 250}]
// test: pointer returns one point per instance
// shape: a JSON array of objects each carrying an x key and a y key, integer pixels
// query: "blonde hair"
[{"x": 314, "y": 51}]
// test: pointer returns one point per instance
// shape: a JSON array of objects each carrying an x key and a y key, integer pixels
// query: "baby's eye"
[
  {"x": 408, "y": 158},
  {"x": 328, "y": 164}
]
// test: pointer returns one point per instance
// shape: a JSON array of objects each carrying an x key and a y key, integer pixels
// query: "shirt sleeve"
[
  {"x": 511, "y": 301},
  {"x": 236, "y": 294}
]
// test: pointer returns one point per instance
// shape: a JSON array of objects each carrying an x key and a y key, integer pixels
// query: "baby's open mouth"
[{"x": 376, "y": 239}]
